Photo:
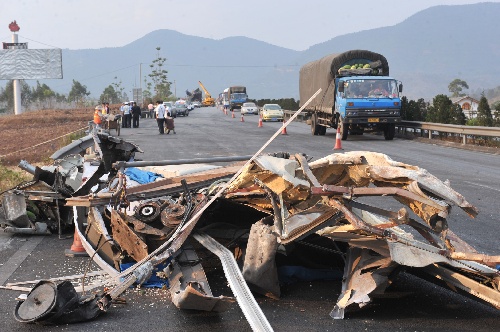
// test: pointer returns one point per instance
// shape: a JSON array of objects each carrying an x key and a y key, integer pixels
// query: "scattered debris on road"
[{"x": 359, "y": 212}]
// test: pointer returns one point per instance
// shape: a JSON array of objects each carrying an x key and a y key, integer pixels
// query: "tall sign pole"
[{"x": 14, "y": 28}]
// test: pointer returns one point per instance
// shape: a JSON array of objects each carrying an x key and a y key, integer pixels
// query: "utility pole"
[{"x": 14, "y": 28}]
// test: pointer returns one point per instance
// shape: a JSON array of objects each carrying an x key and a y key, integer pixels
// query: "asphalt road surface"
[{"x": 411, "y": 305}]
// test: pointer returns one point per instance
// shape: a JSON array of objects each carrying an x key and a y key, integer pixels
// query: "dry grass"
[
  {"x": 25, "y": 131},
  {"x": 19, "y": 135}
]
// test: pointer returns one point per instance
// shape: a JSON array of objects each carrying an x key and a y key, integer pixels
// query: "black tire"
[
  {"x": 344, "y": 130},
  {"x": 315, "y": 128},
  {"x": 389, "y": 132},
  {"x": 322, "y": 130}
]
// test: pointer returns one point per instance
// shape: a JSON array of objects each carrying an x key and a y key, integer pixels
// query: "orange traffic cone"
[
  {"x": 242, "y": 119},
  {"x": 338, "y": 139},
  {"x": 232, "y": 114},
  {"x": 77, "y": 249},
  {"x": 283, "y": 131},
  {"x": 260, "y": 122}
]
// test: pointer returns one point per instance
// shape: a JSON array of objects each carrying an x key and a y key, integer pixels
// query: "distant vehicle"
[
  {"x": 249, "y": 108},
  {"x": 181, "y": 109},
  {"x": 196, "y": 104},
  {"x": 272, "y": 112},
  {"x": 169, "y": 108},
  {"x": 190, "y": 106},
  {"x": 234, "y": 97},
  {"x": 208, "y": 100}
]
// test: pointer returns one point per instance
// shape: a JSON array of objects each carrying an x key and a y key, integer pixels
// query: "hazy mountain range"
[{"x": 426, "y": 52}]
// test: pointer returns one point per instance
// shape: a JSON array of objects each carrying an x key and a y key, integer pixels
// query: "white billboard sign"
[{"x": 34, "y": 64}]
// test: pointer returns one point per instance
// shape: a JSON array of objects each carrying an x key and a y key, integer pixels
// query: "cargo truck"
[
  {"x": 236, "y": 96},
  {"x": 357, "y": 94}
]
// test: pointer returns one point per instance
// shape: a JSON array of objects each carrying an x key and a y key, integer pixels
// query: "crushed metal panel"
[
  {"x": 95, "y": 235},
  {"x": 189, "y": 288},
  {"x": 259, "y": 266},
  {"x": 14, "y": 207},
  {"x": 481, "y": 290},
  {"x": 126, "y": 238},
  {"x": 246, "y": 301},
  {"x": 303, "y": 223},
  {"x": 364, "y": 273},
  {"x": 278, "y": 174}
]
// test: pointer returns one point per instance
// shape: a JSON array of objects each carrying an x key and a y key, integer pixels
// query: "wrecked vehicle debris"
[
  {"x": 284, "y": 201},
  {"x": 50, "y": 303},
  {"x": 358, "y": 213},
  {"x": 38, "y": 206}
]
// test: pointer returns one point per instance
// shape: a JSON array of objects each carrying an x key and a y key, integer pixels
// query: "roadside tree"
[
  {"x": 484, "y": 116},
  {"x": 413, "y": 110},
  {"x": 78, "y": 93},
  {"x": 456, "y": 86},
  {"x": 159, "y": 87},
  {"x": 110, "y": 95},
  {"x": 496, "y": 120}
]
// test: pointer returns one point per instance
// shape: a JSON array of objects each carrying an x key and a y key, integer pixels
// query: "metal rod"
[{"x": 124, "y": 164}]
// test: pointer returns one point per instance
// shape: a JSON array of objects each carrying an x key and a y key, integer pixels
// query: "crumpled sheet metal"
[
  {"x": 278, "y": 174},
  {"x": 360, "y": 168},
  {"x": 375, "y": 174}
]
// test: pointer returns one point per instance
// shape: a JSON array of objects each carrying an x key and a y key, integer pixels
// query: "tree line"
[
  {"x": 443, "y": 110},
  {"x": 42, "y": 96}
]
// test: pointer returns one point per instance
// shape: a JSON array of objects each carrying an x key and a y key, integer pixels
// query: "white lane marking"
[{"x": 483, "y": 186}]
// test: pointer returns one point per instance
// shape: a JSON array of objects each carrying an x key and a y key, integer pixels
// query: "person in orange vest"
[{"x": 97, "y": 117}]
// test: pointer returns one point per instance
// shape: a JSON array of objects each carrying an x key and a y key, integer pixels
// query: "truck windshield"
[
  {"x": 366, "y": 88},
  {"x": 238, "y": 96}
]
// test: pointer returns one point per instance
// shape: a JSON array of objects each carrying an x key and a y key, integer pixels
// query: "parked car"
[
  {"x": 181, "y": 109},
  {"x": 272, "y": 112},
  {"x": 249, "y": 108},
  {"x": 196, "y": 104},
  {"x": 190, "y": 107},
  {"x": 169, "y": 108}
]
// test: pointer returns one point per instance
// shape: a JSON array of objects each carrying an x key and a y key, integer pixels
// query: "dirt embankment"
[{"x": 20, "y": 135}]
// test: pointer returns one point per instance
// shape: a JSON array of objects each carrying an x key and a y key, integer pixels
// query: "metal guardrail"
[{"x": 431, "y": 129}]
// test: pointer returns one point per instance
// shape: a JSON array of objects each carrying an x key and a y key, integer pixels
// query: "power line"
[{"x": 39, "y": 42}]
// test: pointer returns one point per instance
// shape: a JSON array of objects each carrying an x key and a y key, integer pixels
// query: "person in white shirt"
[
  {"x": 160, "y": 116},
  {"x": 127, "y": 116}
]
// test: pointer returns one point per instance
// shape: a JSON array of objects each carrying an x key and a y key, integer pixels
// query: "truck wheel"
[
  {"x": 322, "y": 130},
  {"x": 344, "y": 130},
  {"x": 315, "y": 128},
  {"x": 389, "y": 132}
]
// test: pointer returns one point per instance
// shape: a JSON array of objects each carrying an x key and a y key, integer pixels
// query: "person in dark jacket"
[{"x": 136, "y": 115}]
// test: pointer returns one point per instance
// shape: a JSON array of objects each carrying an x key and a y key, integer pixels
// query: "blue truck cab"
[
  {"x": 357, "y": 94},
  {"x": 368, "y": 102}
]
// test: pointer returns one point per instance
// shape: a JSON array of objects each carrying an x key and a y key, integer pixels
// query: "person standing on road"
[
  {"x": 136, "y": 114},
  {"x": 151, "y": 110},
  {"x": 160, "y": 116},
  {"x": 126, "y": 116}
]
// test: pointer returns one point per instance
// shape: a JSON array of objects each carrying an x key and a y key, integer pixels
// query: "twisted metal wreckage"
[{"x": 274, "y": 206}]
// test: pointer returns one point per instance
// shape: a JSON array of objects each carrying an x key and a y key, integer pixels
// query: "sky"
[{"x": 294, "y": 24}]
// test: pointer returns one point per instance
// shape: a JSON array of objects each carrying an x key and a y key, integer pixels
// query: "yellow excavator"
[{"x": 208, "y": 100}]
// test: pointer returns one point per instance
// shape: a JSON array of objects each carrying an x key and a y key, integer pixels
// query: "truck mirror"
[
  {"x": 401, "y": 88},
  {"x": 341, "y": 87}
]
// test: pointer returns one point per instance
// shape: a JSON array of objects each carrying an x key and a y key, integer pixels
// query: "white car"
[
  {"x": 169, "y": 108},
  {"x": 249, "y": 108},
  {"x": 272, "y": 112}
]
